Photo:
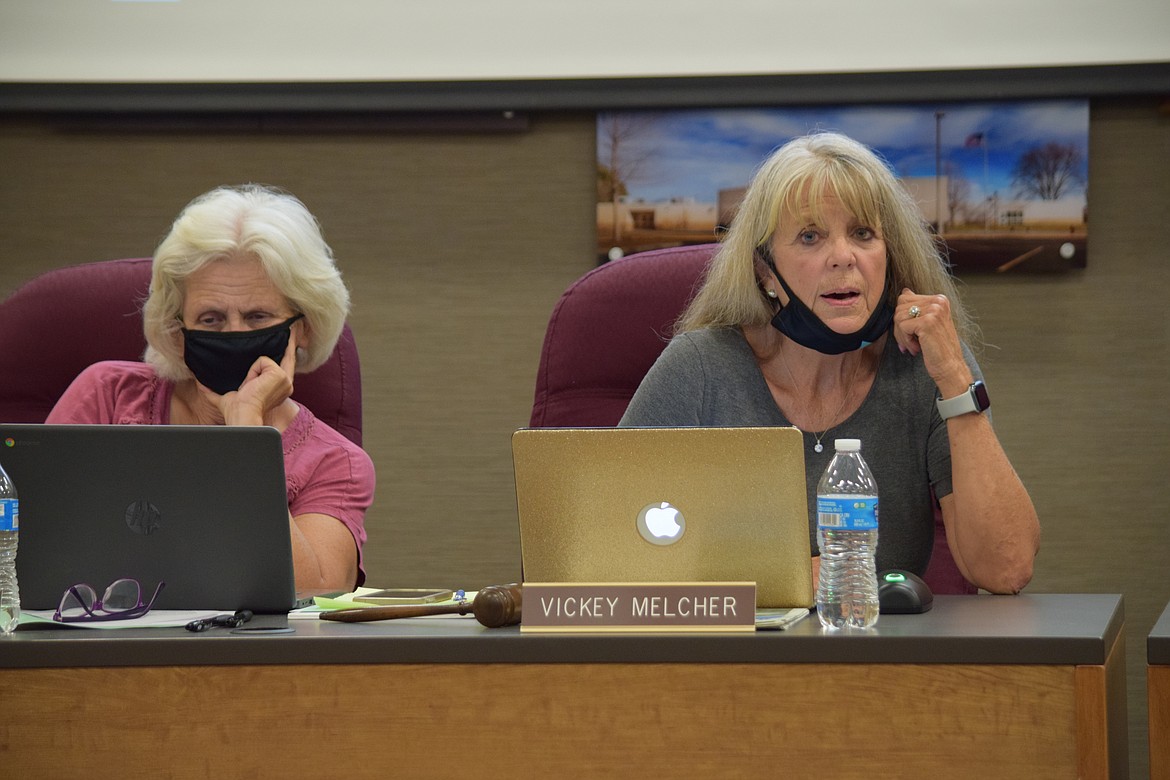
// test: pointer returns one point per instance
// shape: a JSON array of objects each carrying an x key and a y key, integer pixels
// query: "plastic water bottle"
[
  {"x": 9, "y": 534},
  {"x": 847, "y": 533}
]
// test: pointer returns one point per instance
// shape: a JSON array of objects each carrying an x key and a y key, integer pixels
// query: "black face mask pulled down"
[
  {"x": 220, "y": 360},
  {"x": 799, "y": 323}
]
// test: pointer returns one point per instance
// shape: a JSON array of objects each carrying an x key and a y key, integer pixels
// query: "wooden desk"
[
  {"x": 1158, "y": 687},
  {"x": 982, "y": 686}
]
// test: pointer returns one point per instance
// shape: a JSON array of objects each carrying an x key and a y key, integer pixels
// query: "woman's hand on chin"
[{"x": 266, "y": 387}]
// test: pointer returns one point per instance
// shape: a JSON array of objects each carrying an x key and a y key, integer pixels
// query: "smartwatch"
[{"x": 974, "y": 400}]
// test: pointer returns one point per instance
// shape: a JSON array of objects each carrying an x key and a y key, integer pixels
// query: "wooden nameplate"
[{"x": 638, "y": 606}]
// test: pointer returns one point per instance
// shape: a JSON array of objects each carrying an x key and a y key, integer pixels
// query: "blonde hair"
[
  {"x": 248, "y": 221},
  {"x": 796, "y": 177}
]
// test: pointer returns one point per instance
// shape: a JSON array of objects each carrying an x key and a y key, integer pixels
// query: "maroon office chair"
[
  {"x": 64, "y": 320},
  {"x": 606, "y": 331}
]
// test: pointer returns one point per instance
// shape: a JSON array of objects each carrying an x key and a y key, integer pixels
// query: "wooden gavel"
[{"x": 493, "y": 606}]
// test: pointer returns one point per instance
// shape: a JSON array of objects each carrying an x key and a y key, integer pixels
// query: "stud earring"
[{"x": 771, "y": 293}]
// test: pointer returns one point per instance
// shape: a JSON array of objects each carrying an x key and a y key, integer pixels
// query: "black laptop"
[{"x": 203, "y": 508}]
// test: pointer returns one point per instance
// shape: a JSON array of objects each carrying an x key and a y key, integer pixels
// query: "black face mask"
[
  {"x": 220, "y": 360},
  {"x": 799, "y": 323}
]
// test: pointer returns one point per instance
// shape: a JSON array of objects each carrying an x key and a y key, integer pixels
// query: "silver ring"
[{"x": 915, "y": 311}]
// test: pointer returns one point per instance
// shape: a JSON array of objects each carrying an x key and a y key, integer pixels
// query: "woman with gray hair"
[
  {"x": 244, "y": 294},
  {"x": 829, "y": 307}
]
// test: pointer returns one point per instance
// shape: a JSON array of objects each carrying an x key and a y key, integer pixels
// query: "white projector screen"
[{"x": 380, "y": 42}]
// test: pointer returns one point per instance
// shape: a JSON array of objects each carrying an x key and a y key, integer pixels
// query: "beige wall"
[{"x": 456, "y": 246}]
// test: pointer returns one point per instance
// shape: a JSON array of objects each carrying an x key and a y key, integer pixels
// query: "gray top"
[
  {"x": 711, "y": 378},
  {"x": 984, "y": 629}
]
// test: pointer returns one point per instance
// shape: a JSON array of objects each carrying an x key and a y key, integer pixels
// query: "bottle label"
[
  {"x": 848, "y": 513},
  {"x": 9, "y": 514}
]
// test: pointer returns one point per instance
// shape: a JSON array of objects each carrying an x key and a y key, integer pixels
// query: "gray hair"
[{"x": 248, "y": 221}]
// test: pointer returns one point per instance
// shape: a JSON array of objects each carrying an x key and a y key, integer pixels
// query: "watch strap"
[{"x": 973, "y": 400}]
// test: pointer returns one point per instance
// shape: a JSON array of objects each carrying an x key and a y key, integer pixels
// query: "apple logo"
[
  {"x": 660, "y": 520},
  {"x": 661, "y": 523}
]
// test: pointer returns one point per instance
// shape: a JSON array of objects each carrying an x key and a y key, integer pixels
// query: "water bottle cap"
[{"x": 847, "y": 445}]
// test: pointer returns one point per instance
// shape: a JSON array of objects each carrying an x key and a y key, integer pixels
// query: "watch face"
[{"x": 982, "y": 400}]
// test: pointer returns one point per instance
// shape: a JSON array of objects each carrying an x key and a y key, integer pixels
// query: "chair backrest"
[
  {"x": 606, "y": 331},
  {"x": 60, "y": 322}
]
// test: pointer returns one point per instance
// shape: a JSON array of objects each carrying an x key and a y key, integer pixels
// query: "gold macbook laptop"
[{"x": 666, "y": 505}]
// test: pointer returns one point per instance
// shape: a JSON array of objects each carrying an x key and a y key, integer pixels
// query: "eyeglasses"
[{"x": 121, "y": 601}]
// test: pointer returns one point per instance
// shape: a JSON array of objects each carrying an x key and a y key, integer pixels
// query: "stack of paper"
[
  {"x": 354, "y": 601},
  {"x": 779, "y": 619}
]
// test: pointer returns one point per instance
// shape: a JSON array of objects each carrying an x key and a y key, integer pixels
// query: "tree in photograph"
[
  {"x": 1050, "y": 171},
  {"x": 623, "y": 155},
  {"x": 958, "y": 194},
  {"x": 608, "y": 188}
]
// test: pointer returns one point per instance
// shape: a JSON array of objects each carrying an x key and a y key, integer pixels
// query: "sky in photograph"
[{"x": 694, "y": 154}]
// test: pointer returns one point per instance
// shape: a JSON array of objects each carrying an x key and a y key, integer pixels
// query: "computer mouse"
[{"x": 901, "y": 592}]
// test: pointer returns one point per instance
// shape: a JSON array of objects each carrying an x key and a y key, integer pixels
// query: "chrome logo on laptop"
[{"x": 661, "y": 523}]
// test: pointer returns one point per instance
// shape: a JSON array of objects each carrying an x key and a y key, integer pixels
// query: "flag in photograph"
[{"x": 973, "y": 140}]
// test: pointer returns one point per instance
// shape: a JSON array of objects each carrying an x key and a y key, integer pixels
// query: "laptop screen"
[
  {"x": 666, "y": 505},
  {"x": 203, "y": 508}
]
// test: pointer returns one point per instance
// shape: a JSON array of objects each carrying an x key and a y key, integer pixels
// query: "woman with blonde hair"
[
  {"x": 244, "y": 293},
  {"x": 829, "y": 307}
]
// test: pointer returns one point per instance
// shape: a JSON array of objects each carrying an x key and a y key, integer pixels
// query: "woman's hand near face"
[
  {"x": 932, "y": 334},
  {"x": 264, "y": 389}
]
